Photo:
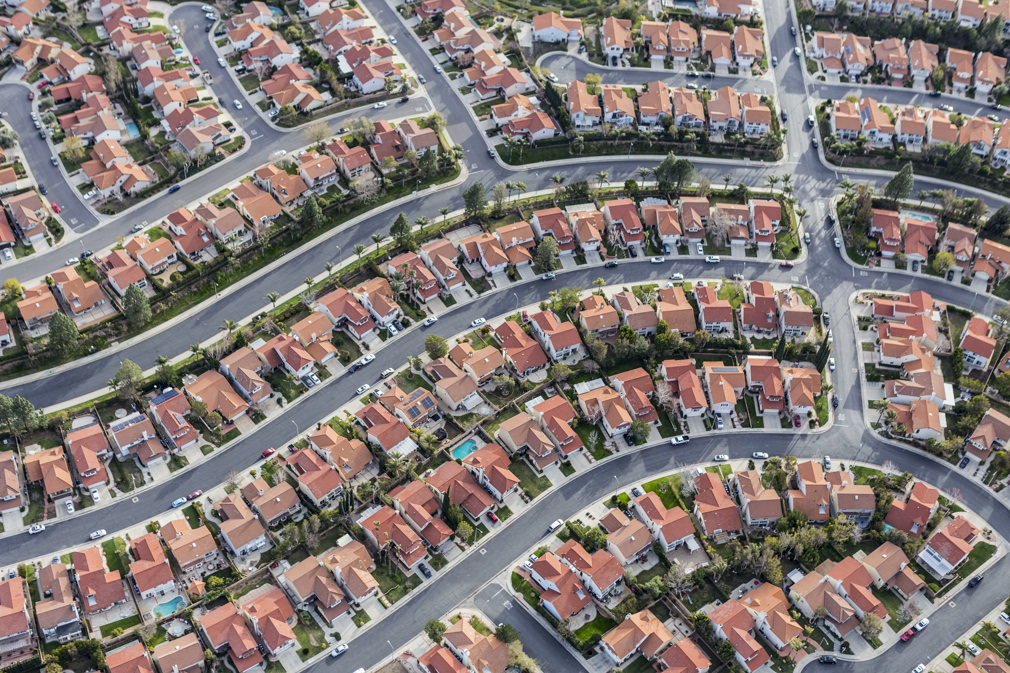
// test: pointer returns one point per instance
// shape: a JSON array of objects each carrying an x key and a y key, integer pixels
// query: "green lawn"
[
  {"x": 409, "y": 384},
  {"x": 980, "y": 553},
  {"x": 124, "y": 624},
  {"x": 584, "y": 431},
  {"x": 394, "y": 586},
  {"x": 893, "y": 605},
  {"x": 491, "y": 427},
  {"x": 600, "y": 625},
  {"x": 480, "y": 627},
  {"x": 307, "y": 632},
  {"x": 530, "y": 595},
  {"x": 667, "y": 493},
  {"x": 192, "y": 516},
  {"x": 112, "y": 548},
  {"x": 528, "y": 479},
  {"x": 864, "y": 474}
]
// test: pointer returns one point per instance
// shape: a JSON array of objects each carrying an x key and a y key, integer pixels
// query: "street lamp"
[
  {"x": 517, "y": 300},
  {"x": 340, "y": 250},
  {"x": 296, "y": 428},
  {"x": 630, "y": 147}
]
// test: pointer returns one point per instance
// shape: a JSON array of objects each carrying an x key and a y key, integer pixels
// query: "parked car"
[
  {"x": 796, "y": 50},
  {"x": 713, "y": 259},
  {"x": 806, "y": 238},
  {"x": 338, "y": 650},
  {"x": 54, "y": 161},
  {"x": 367, "y": 359},
  {"x": 71, "y": 262},
  {"x": 680, "y": 439},
  {"x": 975, "y": 580},
  {"x": 558, "y": 524},
  {"x": 657, "y": 260},
  {"x": 179, "y": 502},
  {"x": 42, "y": 134},
  {"x": 720, "y": 458},
  {"x": 174, "y": 188},
  {"x": 827, "y": 659},
  {"x": 907, "y": 635},
  {"x": 797, "y": 421},
  {"x": 838, "y": 243},
  {"x": 964, "y": 463},
  {"x": 424, "y": 570},
  {"x": 361, "y": 389},
  {"x": 701, "y": 249},
  {"x": 831, "y": 364},
  {"x": 775, "y": 61},
  {"x": 430, "y": 321},
  {"x": 719, "y": 425},
  {"x": 760, "y": 455},
  {"x": 309, "y": 383},
  {"x": 221, "y": 62},
  {"x": 610, "y": 265},
  {"x": 94, "y": 495},
  {"x": 268, "y": 452},
  {"x": 827, "y": 463},
  {"x": 786, "y": 264},
  {"x": 36, "y": 528},
  {"x": 421, "y": 79},
  {"x": 97, "y": 534},
  {"x": 379, "y": 105},
  {"x": 950, "y": 275},
  {"x": 1005, "y": 617},
  {"x": 548, "y": 276},
  {"x": 677, "y": 276},
  {"x": 492, "y": 517},
  {"x": 834, "y": 401},
  {"x": 391, "y": 328},
  {"x": 238, "y": 104},
  {"x": 135, "y": 228},
  {"x": 478, "y": 322}
]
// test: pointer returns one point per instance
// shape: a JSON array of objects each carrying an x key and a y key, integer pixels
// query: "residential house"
[
  {"x": 714, "y": 511},
  {"x": 240, "y": 530}
]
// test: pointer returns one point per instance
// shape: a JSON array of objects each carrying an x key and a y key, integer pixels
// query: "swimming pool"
[
  {"x": 165, "y": 609},
  {"x": 276, "y": 11},
  {"x": 464, "y": 449},
  {"x": 132, "y": 130},
  {"x": 922, "y": 217}
]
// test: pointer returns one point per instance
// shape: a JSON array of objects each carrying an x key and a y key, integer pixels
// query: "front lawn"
[
  {"x": 394, "y": 585},
  {"x": 530, "y": 595},
  {"x": 121, "y": 625},
  {"x": 112, "y": 549},
  {"x": 666, "y": 491},
  {"x": 533, "y": 484},
  {"x": 585, "y": 431}
]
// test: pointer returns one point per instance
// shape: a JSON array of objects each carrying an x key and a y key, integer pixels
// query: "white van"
[{"x": 554, "y": 526}]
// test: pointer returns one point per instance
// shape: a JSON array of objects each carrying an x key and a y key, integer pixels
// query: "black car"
[
  {"x": 632, "y": 251},
  {"x": 834, "y": 401},
  {"x": 915, "y": 265},
  {"x": 935, "y": 94},
  {"x": 42, "y": 188},
  {"x": 692, "y": 73},
  {"x": 42, "y": 134},
  {"x": 424, "y": 570},
  {"x": 609, "y": 265},
  {"x": 635, "y": 492},
  {"x": 784, "y": 116},
  {"x": 827, "y": 659},
  {"x": 708, "y": 75},
  {"x": 950, "y": 274},
  {"x": 405, "y": 99},
  {"x": 827, "y": 320},
  {"x": 353, "y": 368},
  {"x": 207, "y": 29},
  {"x": 219, "y": 33},
  {"x": 975, "y": 580}
]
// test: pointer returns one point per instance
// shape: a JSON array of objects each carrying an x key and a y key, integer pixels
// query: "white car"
[
  {"x": 552, "y": 77},
  {"x": 973, "y": 648},
  {"x": 431, "y": 321},
  {"x": 71, "y": 262},
  {"x": 368, "y": 358},
  {"x": 206, "y": 8},
  {"x": 677, "y": 276},
  {"x": 831, "y": 364},
  {"x": 392, "y": 39},
  {"x": 392, "y": 330},
  {"x": 223, "y": 63},
  {"x": 92, "y": 194},
  {"x": 721, "y": 458},
  {"x": 796, "y": 50},
  {"x": 701, "y": 249},
  {"x": 238, "y": 104},
  {"x": 680, "y": 439},
  {"x": 338, "y": 650},
  {"x": 1005, "y": 617},
  {"x": 477, "y": 322},
  {"x": 919, "y": 669},
  {"x": 281, "y": 153},
  {"x": 361, "y": 389},
  {"x": 838, "y": 242},
  {"x": 179, "y": 502},
  {"x": 70, "y": 507},
  {"x": 548, "y": 276},
  {"x": 175, "y": 29},
  {"x": 760, "y": 455},
  {"x": 712, "y": 259},
  {"x": 94, "y": 495},
  {"x": 438, "y": 68},
  {"x": 379, "y": 105},
  {"x": 657, "y": 260},
  {"x": 97, "y": 534},
  {"x": 36, "y": 528},
  {"x": 921, "y": 625}
]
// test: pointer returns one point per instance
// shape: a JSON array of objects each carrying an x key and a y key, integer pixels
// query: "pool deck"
[{"x": 477, "y": 442}]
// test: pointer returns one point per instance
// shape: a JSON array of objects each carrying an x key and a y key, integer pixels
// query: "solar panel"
[
  {"x": 427, "y": 403},
  {"x": 413, "y": 412}
]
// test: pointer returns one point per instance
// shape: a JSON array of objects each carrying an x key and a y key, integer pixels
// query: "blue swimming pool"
[
  {"x": 464, "y": 449},
  {"x": 165, "y": 609},
  {"x": 132, "y": 130},
  {"x": 276, "y": 11}
]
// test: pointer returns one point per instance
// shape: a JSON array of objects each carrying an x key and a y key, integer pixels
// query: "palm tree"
[
  {"x": 600, "y": 283},
  {"x": 522, "y": 142},
  {"x": 396, "y": 465},
  {"x": 359, "y": 250},
  {"x": 786, "y": 179},
  {"x": 377, "y": 238},
  {"x": 558, "y": 180},
  {"x": 511, "y": 143},
  {"x": 421, "y": 222},
  {"x": 396, "y": 287},
  {"x": 520, "y": 188},
  {"x": 727, "y": 178},
  {"x": 643, "y": 173},
  {"x": 921, "y": 195},
  {"x": 601, "y": 177},
  {"x": 272, "y": 298},
  {"x": 230, "y": 326},
  {"x": 309, "y": 282},
  {"x": 444, "y": 212},
  {"x": 649, "y": 137},
  {"x": 329, "y": 266},
  {"x": 772, "y": 180},
  {"x": 509, "y": 185},
  {"x": 578, "y": 144}
]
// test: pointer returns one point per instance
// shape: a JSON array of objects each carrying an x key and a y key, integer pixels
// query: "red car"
[
  {"x": 267, "y": 453},
  {"x": 56, "y": 208},
  {"x": 492, "y": 518},
  {"x": 907, "y": 635},
  {"x": 41, "y": 84},
  {"x": 196, "y": 60},
  {"x": 31, "y": 95},
  {"x": 194, "y": 495},
  {"x": 786, "y": 265},
  {"x": 797, "y": 421}
]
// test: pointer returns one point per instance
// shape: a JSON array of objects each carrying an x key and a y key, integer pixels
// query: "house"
[
  {"x": 317, "y": 480},
  {"x": 641, "y": 318},
  {"x": 225, "y": 630},
  {"x": 811, "y": 496},
  {"x": 856, "y": 501},
  {"x": 665, "y": 220},
  {"x": 181, "y": 655},
  {"x": 384, "y": 528},
  {"x": 757, "y": 117},
  {"x": 588, "y": 226},
  {"x": 960, "y": 63},
  {"x": 688, "y": 110},
  {"x": 522, "y": 434},
  {"x": 194, "y": 550},
  {"x": 560, "y": 340},
  {"x": 759, "y": 506},
  {"x": 717, "y": 45},
  {"x": 714, "y": 314},
  {"x": 844, "y": 121},
  {"x": 813, "y": 592},
  {"x": 518, "y": 241},
  {"x": 912, "y": 515},
  {"x": 214, "y": 391},
  {"x": 992, "y": 432},
  {"x": 796, "y": 318},
  {"x": 725, "y": 385},
  {"x": 519, "y": 349},
  {"x": 489, "y": 466},
  {"x": 563, "y": 593},
  {"x": 606, "y": 406},
  {"x": 153, "y": 258},
  {"x": 640, "y": 633},
  {"x": 346, "y": 313},
  {"x": 352, "y": 565},
  {"x": 683, "y": 656},
  {"x": 764, "y": 377},
  {"x": 922, "y": 59},
  {"x": 853, "y": 582},
  {"x": 600, "y": 572},
  {"x": 802, "y": 386},
  {"x": 349, "y": 457},
  {"x": 654, "y": 104},
  {"x": 453, "y": 480},
  {"x": 714, "y": 511},
  {"x": 949, "y": 547},
  {"x": 453, "y": 386},
  {"x": 241, "y": 530},
  {"x": 385, "y": 430},
  {"x": 226, "y": 224},
  {"x": 992, "y": 260},
  {"x": 681, "y": 377},
  {"x": 245, "y": 370},
  {"x": 979, "y": 134},
  {"x": 921, "y": 386},
  {"x": 476, "y": 651},
  {"x": 656, "y": 36},
  {"x": 99, "y": 589},
  {"x": 733, "y": 622},
  {"x": 676, "y": 311},
  {"x": 131, "y": 659},
  {"x": 891, "y": 56},
  {"x": 552, "y": 222},
  {"x": 29, "y": 215},
  {"x": 58, "y": 612},
  {"x": 976, "y": 344},
  {"x": 920, "y": 238},
  {"x": 17, "y": 635},
  {"x": 940, "y": 129},
  {"x": 551, "y": 27},
  {"x": 49, "y": 467},
  {"x": 556, "y": 417},
  {"x": 377, "y": 296},
  {"x": 285, "y": 353},
  {"x": 857, "y": 55},
  {"x": 419, "y": 508},
  {"x": 135, "y": 435},
  {"x": 440, "y": 258},
  {"x": 617, "y": 38},
  {"x": 584, "y": 110},
  {"x": 151, "y": 573},
  {"x": 271, "y": 616},
  {"x": 724, "y": 111},
  {"x": 440, "y": 660},
  {"x": 990, "y": 70},
  {"x": 421, "y": 282},
  {"x": 669, "y": 527},
  {"x": 597, "y": 317},
  {"x": 272, "y": 504},
  {"x": 888, "y": 566},
  {"x": 748, "y": 46},
  {"x": 621, "y": 215},
  {"x": 484, "y": 249},
  {"x": 877, "y": 125},
  {"x": 910, "y": 127},
  {"x": 636, "y": 389},
  {"x": 767, "y": 605},
  {"x": 480, "y": 365},
  {"x": 89, "y": 447},
  {"x": 618, "y": 109}
]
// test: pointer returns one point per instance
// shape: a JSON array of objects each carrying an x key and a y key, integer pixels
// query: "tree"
[
  {"x": 678, "y": 581},
  {"x": 701, "y": 338},
  {"x": 12, "y": 288},
  {"x": 435, "y": 629},
  {"x": 136, "y": 306},
  {"x": 359, "y": 250},
  {"x": 435, "y": 346},
  {"x": 272, "y": 298},
  {"x": 561, "y": 372},
  {"x": 74, "y": 148},
  {"x": 519, "y": 659},
  {"x": 401, "y": 230},
  {"x": 176, "y": 159},
  {"x": 998, "y": 223},
  {"x": 773, "y": 571},
  {"x": 435, "y": 121},
  {"x": 498, "y": 195},
  {"x": 360, "y": 128},
  {"x": 464, "y": 531},
  {"x": 316, "y": 133},
  {"x": 592, "y": 82},
  {"x": 870, "y": 626},
  {"x": 128, "y": 380},
  {"x": 640, "y": 430},
  {"x": 943, "y": 261},
  {"x": 899, "y": 187},
  {"x": 113, "y": 73},
  {"x": 474, "y": 200},
  {"x": 312, "y": 214},
  {"x": 1002, "y": 385},
  {"x": 63, "y": 334},
  {"x": 165, "y": 373},
  {"x": 565, "y": 299},
  {"x": 547, "y": 254},
  {"x": 506, "y": 633},
  {"x": 365, "y": 186},
  {"x": 8, "y": 137}
]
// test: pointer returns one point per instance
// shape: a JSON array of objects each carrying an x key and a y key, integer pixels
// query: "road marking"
[
  {"x": 864, "y": 273},
  {"x": 473, "y": 165},
  {"x": 507, "y": 605},
  {"x": 855, "y": 370},
  {"x": 795, "y": 279},
  {"x": 483, "y": 551},
  {"x": 135, "y": 500},
  {"x": 144, "y": 223},
  {"x": 841, "y": 417},
  {"x": 418, "y": 108},
  {"x": 73, "y": 220},
  {"x": 952, "y": 604}
]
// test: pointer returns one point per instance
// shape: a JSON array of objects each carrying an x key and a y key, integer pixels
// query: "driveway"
[{"x": 13, "y": 520}]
